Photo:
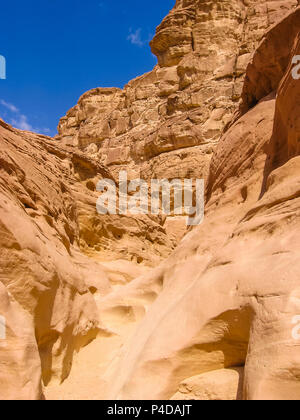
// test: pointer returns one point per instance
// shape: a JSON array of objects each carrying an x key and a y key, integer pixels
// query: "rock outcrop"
[
  {"x": 167, "y": 122},
  {"x": 222, "y": 385},
  {"x": 50, "y": 312},
  {"x": 230, "y": 292},
  {"x": 50, "y": 229},
  {"x": 214, "y": 320}
]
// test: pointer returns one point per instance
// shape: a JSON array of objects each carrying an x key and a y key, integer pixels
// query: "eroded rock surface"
[
  {"x": 49, "y": 309},
  {"x": 87, "y": 317},
  {"x": 50, "y": 230},
  {"x": 167, "y": 122},
  {"x": 232, "y": 286},
  {"x": 218, "y": 385}
]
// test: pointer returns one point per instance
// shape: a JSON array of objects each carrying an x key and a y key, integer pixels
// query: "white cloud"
[
  {"x": 10, "y": 107},
  {"x": 20, "y": 121},
  {"x": 136, "y": 37}
]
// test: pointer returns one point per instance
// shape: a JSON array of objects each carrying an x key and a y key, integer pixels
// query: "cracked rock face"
[
  {"x": 51, "y": 242},
  {"x": 176, "y": 112},
  {"x": 232, "y": 286},
  {"x": 166, "y": 123},
  {"x": 98, "y": 307}
]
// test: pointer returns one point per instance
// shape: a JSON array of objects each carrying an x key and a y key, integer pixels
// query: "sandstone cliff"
[
  {"x": 232, "y": 286},
  {"x": 166, "y": 123},
  {"x": 49, "y": 226},
  {"x": 86, "y": 316}
]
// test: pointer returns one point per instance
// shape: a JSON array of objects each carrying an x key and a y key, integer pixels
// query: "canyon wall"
[
  {"x": 86, "y": 315},
  {"x": 166, "y": 123},
  {"x": 50, "y": 230},
  {"x": 222, "y": 324}
]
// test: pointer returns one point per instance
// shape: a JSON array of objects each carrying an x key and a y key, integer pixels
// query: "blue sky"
[{"x": 56, "y": 50}]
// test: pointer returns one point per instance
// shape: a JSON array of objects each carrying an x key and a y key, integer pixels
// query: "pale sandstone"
[
  {"x": 217, "y": 385},
  {"x": 203, "y": 49},
  {"x": 230, "y": 290},
  {"x": 223, "y": 302},
  {"x": 50, "y": 311},
  {"x": 48, "y": 224},
  {"x": 186, "y": 102}
]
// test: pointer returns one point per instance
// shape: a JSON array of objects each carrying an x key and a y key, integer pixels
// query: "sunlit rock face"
[
  {"x": 166, "y": 123},
  {"x": 45, "y": 300},
  {"x": 51, "y": 242},
  {"x": 169, "y": 120},
  {"x": 102, "y": 306},
  {"x": 229, "y": 304}
]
